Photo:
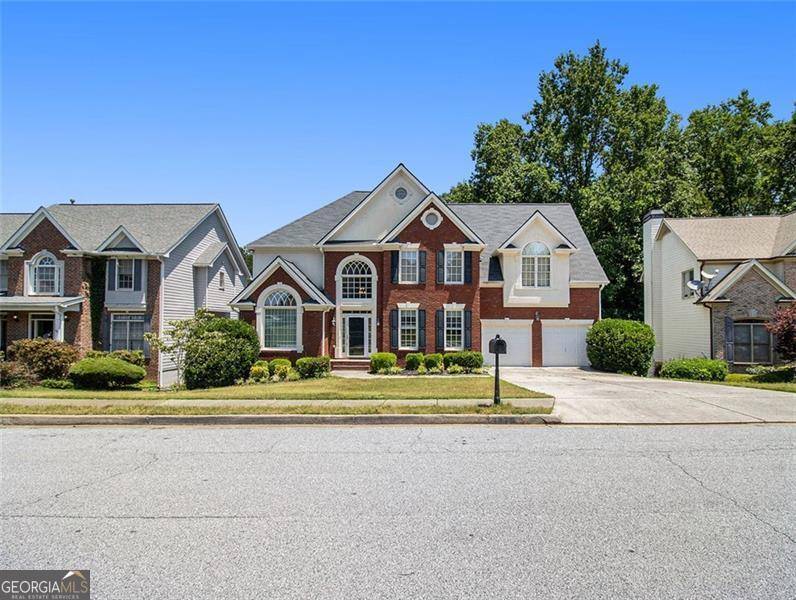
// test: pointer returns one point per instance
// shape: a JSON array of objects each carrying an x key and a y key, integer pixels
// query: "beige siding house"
[{"x": 711, "y": 284}]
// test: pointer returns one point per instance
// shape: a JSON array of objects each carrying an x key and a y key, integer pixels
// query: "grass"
[
  {"x": 137, "y": 409},
  {"x": 329, "y": 388},
  {"x": 742, "y": 380}
]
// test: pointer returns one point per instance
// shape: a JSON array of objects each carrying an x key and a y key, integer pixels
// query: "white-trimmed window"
[
  {"x": 124, "y": 274},
  {"x": 280, "y": 321},
  {"x": 221, "y": 280},
  {"x": 454, "y": 328},
  {"x": 685, "y": 277},
  {"x": 407, "y": 266},
  {"x": 357, "y": 281},
  {"x": 536, "y": 265},
  {"x": 407, "y": 324},
  {"x": 752, "y": 343},
  {"x": 127, "y": 332},
  {"x": 42, "y": 326},
  {"x": 454, "y": 266},
  {"x": 3, "y": 276},
  {"x": 46, "y": 275}
]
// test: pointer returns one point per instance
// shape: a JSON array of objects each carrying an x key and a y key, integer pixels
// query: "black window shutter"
[
  {"x": 111, "y": 274},
  {"x": 137, "y": 275},
  {"x": 441, "y": 266},
  {"x": 394, "y": 328},
  {"x": 729, "y": 340},
  {"x": 394, "y": 256},
  {"x": 468, "y": 329},
  {"x": 421, "y": 329},
  {"x": 468, "y": 267},
  {"x": 421, "y": 269},
  {"x": 147, "y": 329},
  {"x": 440, "y": 323},
  {"x": 105, "y": 342}
]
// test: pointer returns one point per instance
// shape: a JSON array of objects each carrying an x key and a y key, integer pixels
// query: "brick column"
[{"x": 536, "y": 343}]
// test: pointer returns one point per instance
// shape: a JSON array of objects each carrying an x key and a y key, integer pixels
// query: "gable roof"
[
  {"x": 432, "y": 200},
  {"x": 211, "y": 254},
  {"x": 738, "y": 272},
  {"x": 308, "y": 229},
  {"x": 495, "y": 223},
  {"x": 121, "y": 230},
  {"x": 536, "y": 216},
  {"x": 317, "y": 295},
  {"x": 9, "y": 223},
  {"x": 735, "y": 238}
]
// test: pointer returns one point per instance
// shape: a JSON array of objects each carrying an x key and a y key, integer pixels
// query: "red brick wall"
[{"x": 153, "y": 310}]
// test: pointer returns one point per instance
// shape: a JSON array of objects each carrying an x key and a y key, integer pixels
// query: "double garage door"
[{"x": 563, "y": 342}]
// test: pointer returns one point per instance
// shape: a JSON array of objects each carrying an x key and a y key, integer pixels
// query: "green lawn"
[
  {"x": 329, "y": 388},
  {"x": 741, "y": 380},
  {"x": 365, "y": 409}
]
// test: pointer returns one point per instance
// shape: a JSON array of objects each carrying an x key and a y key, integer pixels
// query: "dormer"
[{"x": 535, "y": 262}]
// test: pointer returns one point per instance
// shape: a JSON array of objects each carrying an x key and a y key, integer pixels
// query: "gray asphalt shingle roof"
[{"x": 9, "y": 223}]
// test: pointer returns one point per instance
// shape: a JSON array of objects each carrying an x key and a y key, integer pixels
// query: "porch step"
[{"x": 350, "y": 364}]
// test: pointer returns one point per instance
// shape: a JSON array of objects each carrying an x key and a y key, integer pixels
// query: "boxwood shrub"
[
  {"x": 433, "y": 361},
  {"x": 45, "y": 359},
  {"x": 469, "y": 361},
  {"x": 700, "y": 369},
  {"x": 103, "y": 373},
  {"x": 382, "y": 360},
  {"x": 620, "y": 346},
  {"x": 414, "y": 360},
  {"x": 310, "y": 367}
]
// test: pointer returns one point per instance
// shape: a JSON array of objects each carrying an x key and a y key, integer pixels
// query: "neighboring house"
[
  {"x": 747, "y": 266},
  {"x": 146, "y": 264},
  {"x": 397, "y": 269}
]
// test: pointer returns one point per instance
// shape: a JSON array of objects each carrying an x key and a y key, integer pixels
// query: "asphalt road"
[{"x": 406, "y": 512}]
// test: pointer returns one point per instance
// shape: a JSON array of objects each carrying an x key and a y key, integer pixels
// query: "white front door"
[{"x": 357, "y": 336}]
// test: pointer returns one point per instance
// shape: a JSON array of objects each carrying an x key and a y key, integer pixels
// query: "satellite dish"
[
  {"x": 710, "y": 276},
  {"x": 694, "y": 285}
]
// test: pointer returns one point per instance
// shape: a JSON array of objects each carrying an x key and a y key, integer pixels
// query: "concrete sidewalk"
[{"x": 585, "y": 396}]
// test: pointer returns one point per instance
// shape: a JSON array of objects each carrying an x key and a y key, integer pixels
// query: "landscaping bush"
[
  {"x": 769, "y": 374},
  {"x": 45, "y": 359},
  {"x": 414, "y": 360},
  {"x": 382, "y": 360},
  {"x": 134, "y": 357},
  {"x": 260, "y": 371},
  {"x": 433, "y": 361},
  {"x": 700, "y": 369},
  {"x": 57, "y": 384},
  {"x": 106, "y": 372},
  {"x": 455, "y": 369},
  {"x": 232, "y": 328},
  {"x": 469, "y": 361},
  {"x": 283, "y": 372},
  {"x": 421, "y": 370},
  {"x": 390, "y": 371},
  {"x": 279, "y": 361},
  {"x": 14, "y": 374},
  {"x": 620, "y": 346},
  {"x": 215, "y": 359},
  {"x": 313, "y": 366}
]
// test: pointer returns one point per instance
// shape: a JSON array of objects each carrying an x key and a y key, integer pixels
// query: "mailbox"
[{"x": 497, "y": 346}]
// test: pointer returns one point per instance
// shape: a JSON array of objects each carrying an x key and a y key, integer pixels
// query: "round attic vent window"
[
  {"x": 431, "y": 218},
  {"x": 401, "y": 193}
]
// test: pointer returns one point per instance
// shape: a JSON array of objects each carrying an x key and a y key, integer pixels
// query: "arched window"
[
  {"x": 357, "y": 280},
  {"x": 46, "y": 275},
  {"x": 535, "y": 265},
  {"x": 280, "y": 319}
]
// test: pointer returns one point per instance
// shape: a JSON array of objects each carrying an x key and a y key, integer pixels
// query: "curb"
[{"x": 396, "y": 419}]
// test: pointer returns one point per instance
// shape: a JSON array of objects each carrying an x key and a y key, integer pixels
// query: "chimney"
[{"x": 651, "y": 223}]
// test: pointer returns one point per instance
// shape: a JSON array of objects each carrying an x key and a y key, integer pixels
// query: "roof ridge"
[
  {"x": 508, "y": 203},
  {"x": 729, "y": 217},
  {"x": 134, "y": 204}
]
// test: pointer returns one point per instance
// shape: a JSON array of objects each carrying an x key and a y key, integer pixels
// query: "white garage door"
[
  {"x": 517, "y": 334},
  {"x": 564, "y": 343}
]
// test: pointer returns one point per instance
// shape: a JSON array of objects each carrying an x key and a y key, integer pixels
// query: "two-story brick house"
[
  {"x": 101, "y": 275},
  {"x": 397, "y": 269}
]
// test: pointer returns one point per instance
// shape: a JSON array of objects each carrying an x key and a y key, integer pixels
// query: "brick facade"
[{"x": 750, "y": 298}]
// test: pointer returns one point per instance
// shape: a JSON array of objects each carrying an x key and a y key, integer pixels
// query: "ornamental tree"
[{"x": 783, "y": 328}]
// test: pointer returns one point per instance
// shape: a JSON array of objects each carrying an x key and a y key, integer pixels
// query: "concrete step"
[{"x": 350, "y": 364}]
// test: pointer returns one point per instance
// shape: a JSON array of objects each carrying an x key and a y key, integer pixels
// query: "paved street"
[
  {"x": 406, "y": 512},
  {"x": 586, "y": 396}
]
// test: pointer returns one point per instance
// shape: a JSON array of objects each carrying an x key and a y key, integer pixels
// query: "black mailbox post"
[{"x": 497, "y": 347}]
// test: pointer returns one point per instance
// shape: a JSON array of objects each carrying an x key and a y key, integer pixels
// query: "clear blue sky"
[{"x": 274, "y": 109}]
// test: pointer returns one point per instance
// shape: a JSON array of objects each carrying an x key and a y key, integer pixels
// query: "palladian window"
[
  {"x": 280, "y": 318},
  {"x": 535, "y": 265},
  {"x": 357, "y": 281}
]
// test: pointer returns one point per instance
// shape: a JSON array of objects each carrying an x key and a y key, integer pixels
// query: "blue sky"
[{"x": 275, "y": 109}]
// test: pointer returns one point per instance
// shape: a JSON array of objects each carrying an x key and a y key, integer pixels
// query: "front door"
[{"x": 356, "y": 336}]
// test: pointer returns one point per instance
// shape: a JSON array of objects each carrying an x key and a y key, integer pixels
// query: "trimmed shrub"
[
  {"x": 134, "y": 357},
  {"x": 313, "y": 366},
  {"x": 103, "y": 373},
  {"x": 700, "y": 369},
  {"x": 214, "y": 359},
  {"x": 45, "y": 359},
  {"x": 233, "y": 328},
  {"x": 769, "y": 374},
  {"x": 382, "y": 360},
  {"x": 456, "y": 369},
  {"x": 260, "y": 371},
  {"x": 390, "y": 371},
  {"x": 414, "y": 360},
  {"x": 57, "y": 384},
  {"x": 14, "y": 374},
  {"x": 433, "y": 361},
  {"x": 283, "y": 372},
  {"x": 275, "y": 362},
  {"x": 421, "y": 370},
  {"x": 467, "y": 360},
  {"x": 620, "y": 346}
]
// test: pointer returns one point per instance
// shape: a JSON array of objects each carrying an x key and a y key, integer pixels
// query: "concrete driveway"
[{"x": 586, "y": 396}]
